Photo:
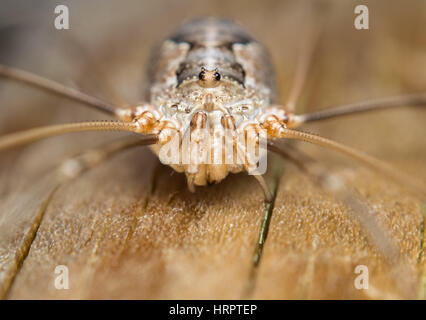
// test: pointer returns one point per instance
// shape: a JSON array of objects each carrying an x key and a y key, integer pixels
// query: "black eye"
[
  {"x": 217, "y": 76},
  {"x": 201, "y": 75}
]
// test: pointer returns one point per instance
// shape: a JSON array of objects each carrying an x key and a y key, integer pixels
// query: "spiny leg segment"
[{"x": 31, "y": 135}]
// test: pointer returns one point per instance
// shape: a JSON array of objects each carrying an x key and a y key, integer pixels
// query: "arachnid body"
[{"x": 211, "y": 75}]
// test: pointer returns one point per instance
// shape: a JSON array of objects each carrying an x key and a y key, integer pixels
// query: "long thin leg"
[
  {"x": 76, "y": 165},
  {"x": 307, "y": 50},
  {"x": 31, "y": 135},
  {"x": 267, "y": 193},
  {"x": 416, "y": 186},
  {"x": 56, "y": 88},
  {"x": 332, "y": 183},
  {"x": 359, "y": 107}
]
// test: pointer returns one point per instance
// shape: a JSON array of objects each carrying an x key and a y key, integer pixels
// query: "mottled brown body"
[
  {"x": 210, "y": 74},
  {"x": 214, "y": 43}
]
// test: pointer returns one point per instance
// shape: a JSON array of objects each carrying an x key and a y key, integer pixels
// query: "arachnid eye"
[
  {"x": 209, "y": 78},
  {"x": 202, "y": 75}
]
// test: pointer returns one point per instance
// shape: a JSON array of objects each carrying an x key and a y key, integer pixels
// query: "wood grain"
[{"x": 129, "y": 228}]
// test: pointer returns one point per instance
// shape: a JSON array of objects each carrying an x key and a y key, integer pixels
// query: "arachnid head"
[{"x": 209, "y": 78}]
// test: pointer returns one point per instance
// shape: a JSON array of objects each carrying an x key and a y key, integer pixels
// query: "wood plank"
[
  {"x": 125, "y": 225},
  {"x": 129, "y": 228}
]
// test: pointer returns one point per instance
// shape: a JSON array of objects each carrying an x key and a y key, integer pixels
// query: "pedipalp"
[
  {"x": 416, "y": 186},
  {"x": 31, "y": 135}
]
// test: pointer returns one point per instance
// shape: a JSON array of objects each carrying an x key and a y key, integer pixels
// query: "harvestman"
[{"x": 212, "y": 74}]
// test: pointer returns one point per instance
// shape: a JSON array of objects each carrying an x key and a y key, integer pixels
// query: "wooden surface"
[{"x": 129, "y": 228}]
